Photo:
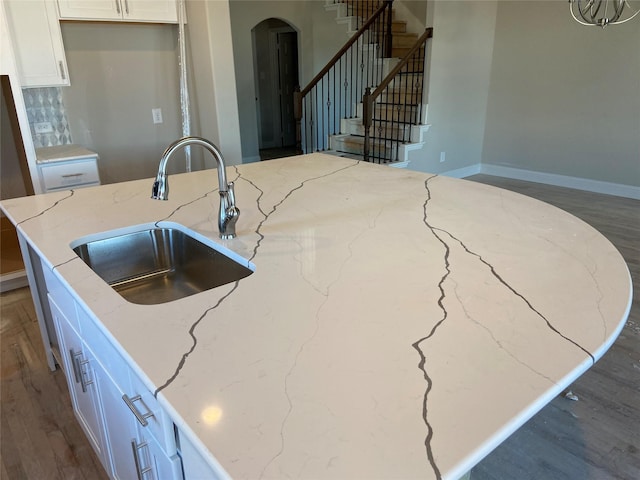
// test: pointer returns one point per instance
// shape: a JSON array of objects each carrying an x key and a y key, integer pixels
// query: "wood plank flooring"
[
  {"x": 596, "y": 438},
  {"x": 40, "y": 438}
]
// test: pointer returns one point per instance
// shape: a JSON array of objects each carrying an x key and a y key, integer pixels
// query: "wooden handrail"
[{"x": 428, "y": 33}]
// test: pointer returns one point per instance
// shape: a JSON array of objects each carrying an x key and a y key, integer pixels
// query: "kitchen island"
[{"x": 397, "y": 324}]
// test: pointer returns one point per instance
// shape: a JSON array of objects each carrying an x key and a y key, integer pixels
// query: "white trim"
[
  {"x": 403, "y": 164},
  {"x": 463, "y": 172},
  {"x": 596, "y": 186},
  {"x": 13, "y": 280}
]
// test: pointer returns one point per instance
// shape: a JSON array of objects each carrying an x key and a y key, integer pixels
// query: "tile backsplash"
[{"x": 46, "y": 105}]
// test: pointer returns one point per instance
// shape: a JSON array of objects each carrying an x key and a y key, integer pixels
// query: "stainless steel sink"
[{"x": 158, "y": 265}]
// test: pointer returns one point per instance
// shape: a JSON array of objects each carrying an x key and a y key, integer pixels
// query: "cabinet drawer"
[{"x": 70, "y": 174}]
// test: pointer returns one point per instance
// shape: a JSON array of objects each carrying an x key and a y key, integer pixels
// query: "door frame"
[{"x": 274, "y": 97}]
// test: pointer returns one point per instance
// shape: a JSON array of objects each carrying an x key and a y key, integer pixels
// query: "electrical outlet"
[
  {"x": 43, "y": 127},
  {"x": 443, "y": 157},
  {"x": 156, "y": 113}
]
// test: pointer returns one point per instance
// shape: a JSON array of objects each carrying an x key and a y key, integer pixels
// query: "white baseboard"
[
  {"x": 13, "y": 280},
  {"x": 463, "y": 172},
  {"x": 596, "y": 186},
  {"x": 404, "y": 164}
]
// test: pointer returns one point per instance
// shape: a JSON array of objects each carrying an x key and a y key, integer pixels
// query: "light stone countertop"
[{"x": 398, "y": 324}]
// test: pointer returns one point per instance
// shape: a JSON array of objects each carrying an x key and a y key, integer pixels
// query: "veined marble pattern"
[{"x": 398, "y": 324}]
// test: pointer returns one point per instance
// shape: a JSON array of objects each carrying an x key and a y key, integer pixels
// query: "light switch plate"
[{"x": 156, "y": 113}]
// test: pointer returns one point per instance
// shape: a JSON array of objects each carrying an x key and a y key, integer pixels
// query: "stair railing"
[
  {"x": 395, "y": 105},
  {"x": 361, "y": 9},
  {"x": 337, "y": 88}
]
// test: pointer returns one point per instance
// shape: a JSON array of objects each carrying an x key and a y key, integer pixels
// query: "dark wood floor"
[
  {"x": 595, "y": 438},
  {"x": 40, "y": 438},
  {"x": 598, "y": 436}
]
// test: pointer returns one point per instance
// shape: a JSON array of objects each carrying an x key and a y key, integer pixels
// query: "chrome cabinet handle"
[
  {"x": 118, "y": 6},
  {"x": 62, "y": 72},
  {"x": 83, "y": 382},
  {"x": 126, "y": 6},
  {"x": 135, "y": 447},
  {"x": 74, "y": 363},
  {"x": 78, "y": 372},
  {"x": 72, "y": 175},
  {"x": 142, "y": 417}
]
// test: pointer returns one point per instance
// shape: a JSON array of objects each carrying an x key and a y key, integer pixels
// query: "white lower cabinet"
[
  {"x": 135, "y": 453},
  {"x": 128, "y": 429},
  {"x": 79, "y": 366}
]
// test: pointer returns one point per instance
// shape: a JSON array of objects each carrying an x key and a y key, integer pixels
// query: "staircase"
[{"x": 387, "y": 92}]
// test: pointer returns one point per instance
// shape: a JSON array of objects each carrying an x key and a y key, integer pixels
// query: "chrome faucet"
[{"x": 228, "y": 213}]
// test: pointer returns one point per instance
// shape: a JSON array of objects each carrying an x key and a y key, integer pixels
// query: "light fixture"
[{"x": 601, "y": 13}]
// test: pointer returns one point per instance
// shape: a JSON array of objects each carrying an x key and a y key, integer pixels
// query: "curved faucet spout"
[{"x": 228, "y": 212}]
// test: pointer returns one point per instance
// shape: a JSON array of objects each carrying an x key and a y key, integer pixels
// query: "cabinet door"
[
  {"x": 37, "y": 41},
  {"x": 153, "y": 463},
  {"x": 134, "y": 452},
  {"x": 193, "y": 463},
  {"x": 161, "y": 11},
  {"x": 90, "y": 9},
  {"x": 164, "y": 11},
  {"x": 78, "y": 365},
  {"x": 120, "y": 426}
]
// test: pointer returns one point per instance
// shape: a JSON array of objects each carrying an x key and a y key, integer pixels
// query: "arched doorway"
[{"x": 275, "y": 58}]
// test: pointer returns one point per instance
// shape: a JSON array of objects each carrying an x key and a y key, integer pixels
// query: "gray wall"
[
  {"x": 213, "y": 93},
  {"x": 119, "y": 72},
  {"x": 564, "y": 98},
  {"x": 460, "y": 71}
]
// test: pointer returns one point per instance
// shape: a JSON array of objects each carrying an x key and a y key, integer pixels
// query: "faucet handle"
[
  {"x": 160, "y": 189},
  {"x": 231, "y": 196},
  {"x": 229, "y": 213}
]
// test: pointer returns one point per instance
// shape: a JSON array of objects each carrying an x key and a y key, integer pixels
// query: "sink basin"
[{"x": 158, "y": 265}]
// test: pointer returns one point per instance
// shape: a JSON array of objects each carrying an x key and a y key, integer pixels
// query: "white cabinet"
[
  {"x": 161, "y": 11},
  {"x": 67, "y": 166},
  {"x": 37, "y": 41},
  {"x": 135, "y": 453},
  {"x": 194, "y": 464},
  {"x": 79, "y": 364},
  {"x": 129, "y": 430}
]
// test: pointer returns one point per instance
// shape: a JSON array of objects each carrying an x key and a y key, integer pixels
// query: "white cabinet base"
[{"x": 67, "y": 166}]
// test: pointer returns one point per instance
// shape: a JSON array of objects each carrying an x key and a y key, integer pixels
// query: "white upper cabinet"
[
  {"x": 37, "y": 43},
  {"x": 159, "y": 11}
]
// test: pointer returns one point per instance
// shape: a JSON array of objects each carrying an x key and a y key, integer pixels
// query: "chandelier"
[{"x": 601, "y": 13}]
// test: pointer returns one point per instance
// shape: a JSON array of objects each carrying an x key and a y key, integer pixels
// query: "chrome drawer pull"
[
  {"x": 83, "y": 383},
  {"x": 74, "y": 364},
  {"x": 72, "y": 175},
  {"x": 142, "y": 417},
  {"x": 62, "y": 74},
  {"x": 136, "y": 458}
]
